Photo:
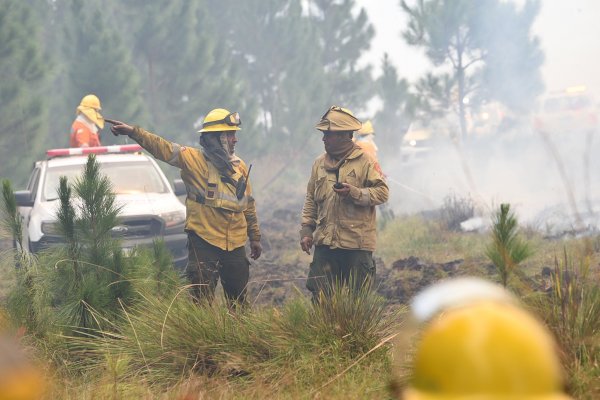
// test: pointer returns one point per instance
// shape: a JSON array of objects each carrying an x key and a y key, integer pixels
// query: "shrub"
[
  {"x": 572, "y": 311},
  {"x": 456, "y": 210}
]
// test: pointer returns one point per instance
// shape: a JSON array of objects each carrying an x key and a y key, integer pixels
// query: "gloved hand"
[
  {"x": 347, "y": 189},
  {"x": 119, "y": 128},
  {"x": 255, "y": 249},
  {"x": 306, "y": 244}
]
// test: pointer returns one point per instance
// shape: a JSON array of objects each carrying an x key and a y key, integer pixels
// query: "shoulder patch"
[
  {"x": 183, "y": 148},
  {"x": 378, "y": 169}
]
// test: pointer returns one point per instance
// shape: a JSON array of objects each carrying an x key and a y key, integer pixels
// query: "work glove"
[{"x": 119, "y": 128}]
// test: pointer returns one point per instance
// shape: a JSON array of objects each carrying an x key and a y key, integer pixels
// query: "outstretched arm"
[{"x": 160, "y": 148}]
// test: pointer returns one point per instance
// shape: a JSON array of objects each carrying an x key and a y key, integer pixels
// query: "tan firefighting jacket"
[
  {"x": 346, "y": 223},
  {"x": 213, "y": 211}
]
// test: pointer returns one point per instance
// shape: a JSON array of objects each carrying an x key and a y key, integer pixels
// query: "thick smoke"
[{"x": 551, "y": 179}]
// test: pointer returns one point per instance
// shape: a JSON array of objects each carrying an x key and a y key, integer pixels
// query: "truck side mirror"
[
  {"x": 179, "y": 187},
  {"x": 24, "y": 198}
]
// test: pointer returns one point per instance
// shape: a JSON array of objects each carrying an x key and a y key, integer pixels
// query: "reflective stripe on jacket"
[
  {"x": 83, "y": 136},
  {"x": 213, "y": 211},
  {"x": 346, "y": 223},
  {"x": 217, "y": 193}
]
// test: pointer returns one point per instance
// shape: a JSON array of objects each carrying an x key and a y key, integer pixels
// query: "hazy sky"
[
  {"x": 520, "y": 169},
  {"x": 569, "y": 31}
]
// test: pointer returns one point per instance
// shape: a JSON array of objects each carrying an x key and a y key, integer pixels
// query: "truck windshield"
[{"x": 126, "y": 178}]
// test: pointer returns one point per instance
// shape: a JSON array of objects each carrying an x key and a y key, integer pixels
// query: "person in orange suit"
[{"x": 85, "y": 128}]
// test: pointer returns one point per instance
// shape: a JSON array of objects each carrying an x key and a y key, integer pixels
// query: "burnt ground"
[{"x": 281, "y": 272}]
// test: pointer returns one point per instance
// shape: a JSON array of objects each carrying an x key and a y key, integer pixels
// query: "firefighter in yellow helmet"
[
  {"x": 477, "y": 342},
  {"x": 221, "y": 212},
  {"x": 85, "y": 128},
  {"x": 365, "y": 139},
  {"x": 338, "y": 216}
]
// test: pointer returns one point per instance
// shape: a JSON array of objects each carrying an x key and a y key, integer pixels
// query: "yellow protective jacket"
[
  {"x": 213, "y": 211},
  {"x": 345, "y": 223}
]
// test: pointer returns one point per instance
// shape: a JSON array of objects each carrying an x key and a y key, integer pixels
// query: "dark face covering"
[
  {"x": 213, "y": 149},
  {"x": 216, "y": 154},
  {"x": 338, "y": 146}
]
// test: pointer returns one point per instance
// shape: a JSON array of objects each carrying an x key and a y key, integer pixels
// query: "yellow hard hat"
[
  {"x": 219, "y": 120},
  {"x": 338, "y": 119},
  {"x": 90, "y": 107},
  {"x": 20, "y": 378},
  {"x": 485, "y": 349},
  {"x": 367, "y": 129}
]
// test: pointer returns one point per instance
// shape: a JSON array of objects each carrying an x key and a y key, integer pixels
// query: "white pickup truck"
[{"x": 150, "y": 207}]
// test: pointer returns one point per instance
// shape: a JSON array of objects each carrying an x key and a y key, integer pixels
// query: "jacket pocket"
[
  {"x": 321, "y": 183},
  {"x": 320, "y": 232},
  {"x": 350, "y": 233}
]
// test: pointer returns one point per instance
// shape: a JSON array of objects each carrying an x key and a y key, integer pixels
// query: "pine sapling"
[
  {"x": 507, "y": 249},
  {"x": 66, "y": 222},
  {"x": 11, "y": 220}
]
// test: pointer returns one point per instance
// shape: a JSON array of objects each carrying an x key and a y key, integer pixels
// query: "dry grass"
[
  {"x": 182, "y": 351},
  {"x": 165, "y": 350}
]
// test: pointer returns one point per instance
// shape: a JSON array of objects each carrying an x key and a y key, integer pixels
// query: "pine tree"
[
  {"x": 97, "y": 213},
  {"x": 186, "y": 67},
  {"x": 512, "y": 72},
  {"x": 487, "y": 47},
  {"x": 277, "y": 48},
  {"x": 278, "y": 51},
  {"x": 507, "y": 249},
  {"x": 23, "y": 112},
  {"x": 299, "y": 58},
  {"x": 81, "y": 287},
  {"x": 344, "y": 38},
  {"x": 391, "y": 122},
  {"x": 94, "y": 59}
]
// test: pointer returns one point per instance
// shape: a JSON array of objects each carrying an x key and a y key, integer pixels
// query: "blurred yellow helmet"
[
  {"x": 219, "y": 120},
  {"x": 485, "y": 349},
  {"x": 20, "y": 378},
  {"x": 367, "y": 129},
  {"x": 90, "y": 107}
]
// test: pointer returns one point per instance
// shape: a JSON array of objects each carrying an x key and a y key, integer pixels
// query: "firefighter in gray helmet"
[{"x": 338, "y": 216}]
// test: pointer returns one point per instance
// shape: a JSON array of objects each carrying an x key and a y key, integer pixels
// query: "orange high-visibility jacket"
[{"x": 83, "y": 136}]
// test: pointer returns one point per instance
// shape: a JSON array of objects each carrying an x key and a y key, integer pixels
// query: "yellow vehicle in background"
[
  {"x": 567, "y": 112},
  {"x": 422, "y": 138},
  {"x": 416, "y": 143},
  {"x": 423, "y": 135}
]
